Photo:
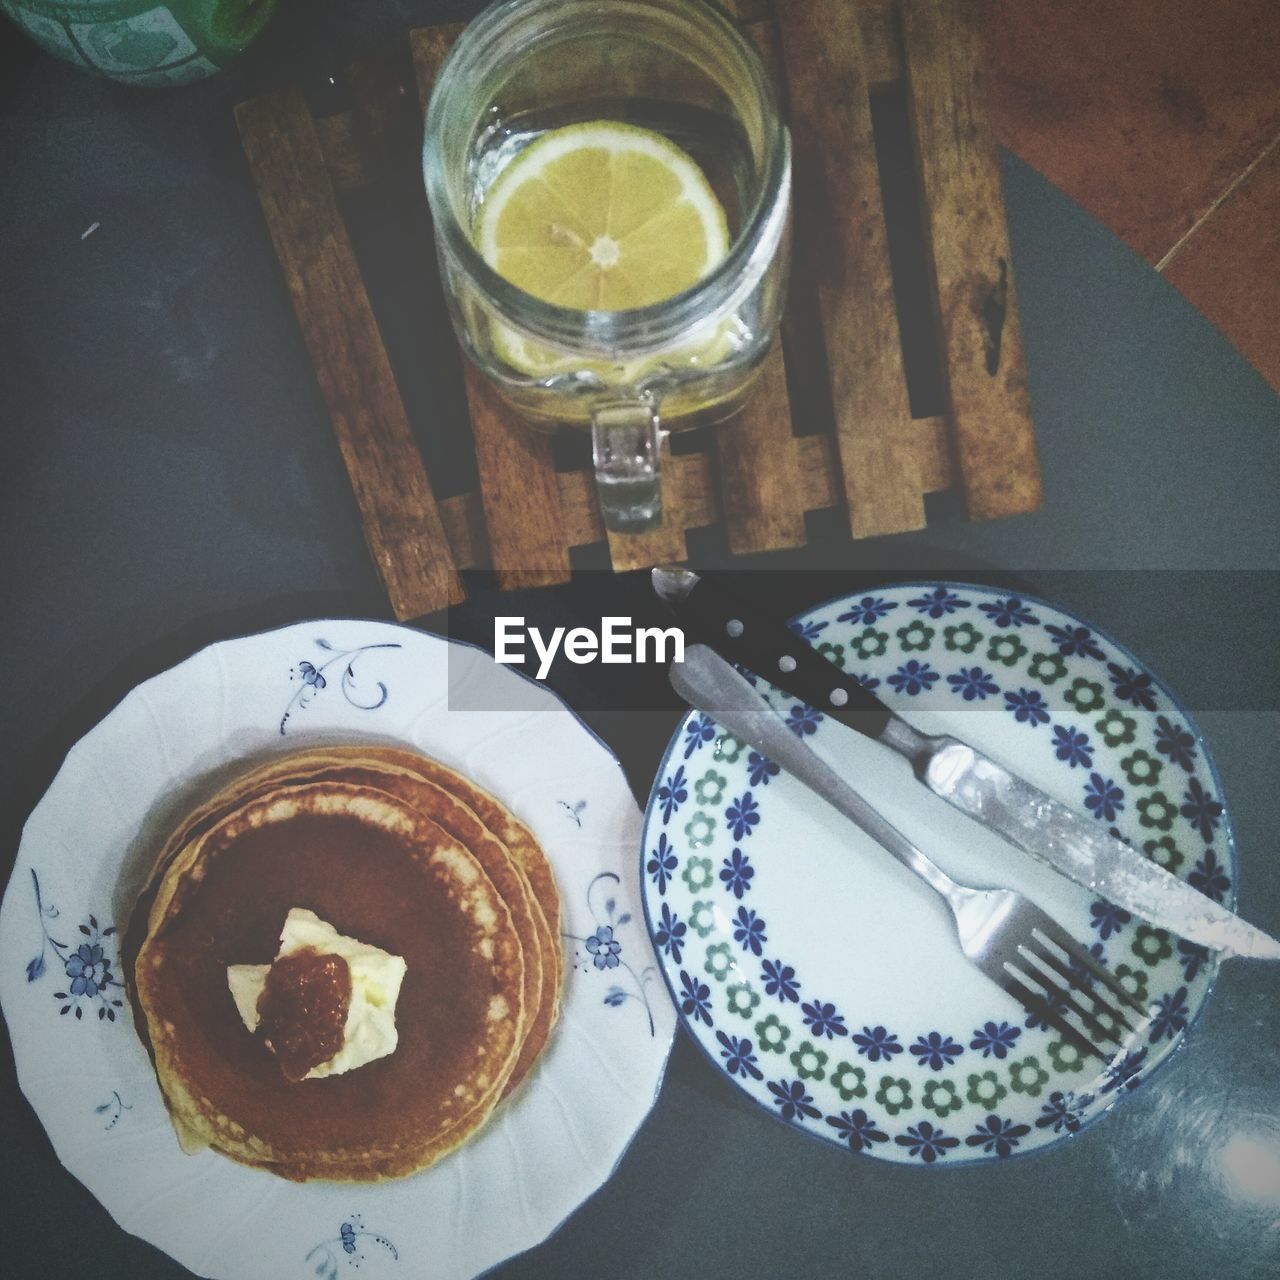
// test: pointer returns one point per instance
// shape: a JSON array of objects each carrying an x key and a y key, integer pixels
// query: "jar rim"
[{"x": 724, "y": 287}]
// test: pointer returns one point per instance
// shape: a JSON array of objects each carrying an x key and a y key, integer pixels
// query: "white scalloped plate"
[{"x": 80, "y": 863}]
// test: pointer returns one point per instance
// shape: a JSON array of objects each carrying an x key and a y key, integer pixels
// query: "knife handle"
[{"x": 712, "y": 616}]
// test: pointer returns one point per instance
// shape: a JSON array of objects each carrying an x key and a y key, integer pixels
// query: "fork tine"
[
  {"x": 1077, "y": 954},
  {"x": 1066, "y": 995},
  {"x": 1080, "y": 983},
  {"x": 1041, "y": 1008}
]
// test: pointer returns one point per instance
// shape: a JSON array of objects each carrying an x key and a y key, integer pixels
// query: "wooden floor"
[{"x": 1162, "y": 118}]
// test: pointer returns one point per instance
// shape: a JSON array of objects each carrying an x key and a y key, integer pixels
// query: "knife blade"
[{"x": 970, "y": 781}]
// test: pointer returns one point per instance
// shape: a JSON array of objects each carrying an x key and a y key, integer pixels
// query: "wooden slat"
[
  {"x": 933, "y": 453},
  {"x": 347, "y": 164},
  {"x": 429, "y": 46},
  {"x": 881, "y": 46},
  {"x": 518, "y": 486},
  {"x": 990, "y": 415},
  {"x": 398, "y": 510},
  {"x": 842, "y": 253},
  {"x": 761, "y": 493}
]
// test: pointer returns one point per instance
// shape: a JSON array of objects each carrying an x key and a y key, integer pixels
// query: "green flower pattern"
[
  {"x": 708, "y": 791},
  {"x": 1164, "y": 852},
  {"x": 985, "y": 1089},
  {"x": 894, "y": 1094},
  {"x": 772, "y": 1034},
  {"x": 849, "y": 1081},
  {"x": 1117, "y": 729},
  {"x": 870, "y": 644},
  {"x": 1006, "y": 649},
  {"x": 809, "y": 1061},
  {"x": 1027, "y": 1076},
  {"x": 697, "y": 872},
  {"x": 1157, "y": 810},
  {"x": 720, "y": 962},
  {"x": 915, "y": 637},
  {"x": 941, "y": 1097},
  {"x": 1126, "y": 745},
  {"x": 702, "y": 917},
  {"x": 1141, "y": 769},
  {"x": 963, "y": 637},
  {"x": 833, "y": 653},
  {"x": 1048, "y": 668},
  {"x": 1085, "y": 695}
]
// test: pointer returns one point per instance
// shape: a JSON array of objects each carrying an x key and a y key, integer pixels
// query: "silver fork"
[{"x": 1002, "y": 933}]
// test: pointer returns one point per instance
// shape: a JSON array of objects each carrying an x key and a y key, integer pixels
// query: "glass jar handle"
[{"x": 624, "y": 437}]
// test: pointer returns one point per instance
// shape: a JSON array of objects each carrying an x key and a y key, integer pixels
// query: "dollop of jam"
[{"x": 303, "y": 1009}]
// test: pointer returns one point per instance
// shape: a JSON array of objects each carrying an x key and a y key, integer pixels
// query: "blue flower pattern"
[
  {"x": 876, "y": 1043},
  {"x": 857, "y": 1129},
  {"x": 1027, "y": 706},
  {"x": 742, "y": 817},
  {"x": 760, "y": 769},
  {"x": 749, "y": 931},
  {"x": 1103, "y": 798},
  {"x": 972, "y": 683},
  {"x": 995, "y": 1039},
  {"x": 823, "y": 1020},
  {"x": 1072, "y": 746},
  {"x": 868, "y": 610},
  {"x": 926, "y": 1141},
  {"x": 739, "y": 1056},
  {"x": 936, "y": 1051},
  {"x": 672, "y": 794},
  {"x": 670, "y": 933},
  {"x": 913, "y": 677},
  {"x": 803, "y": 720},
  {"x": 1009, "y": 613},
  {"x": 938, "y": 603},
  {"x": 700, "y": 730},
  {"x": 1075, "y": 641},
  {"x": 1000, "y": 1136},
  {"x": 737, "y": 873},
  {"x": 662, "y": 862},
  {"x": 780, "y": 980},
  {"x": 1107, "y": 918}
]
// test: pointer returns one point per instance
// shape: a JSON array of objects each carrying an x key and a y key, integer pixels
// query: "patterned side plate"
[
  {"x": 826, "y": 981},
  {"x": 80, "y": 864}
]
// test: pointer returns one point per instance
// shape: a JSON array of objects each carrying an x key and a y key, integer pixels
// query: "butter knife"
[{"x": 975, "y": 784}]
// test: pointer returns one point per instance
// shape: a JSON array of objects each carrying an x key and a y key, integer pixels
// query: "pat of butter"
[{"x": 370, "y": 1031}]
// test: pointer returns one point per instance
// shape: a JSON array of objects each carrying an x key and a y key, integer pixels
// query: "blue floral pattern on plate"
[{"x": 1076, "y": 708}]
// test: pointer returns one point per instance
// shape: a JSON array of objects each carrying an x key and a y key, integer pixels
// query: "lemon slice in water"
[{"x": 602, "y": 217}]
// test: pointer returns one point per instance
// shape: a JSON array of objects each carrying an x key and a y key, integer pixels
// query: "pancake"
[
  {"x": 377, "y": 869},
  {"x": 506, "y": 848}
]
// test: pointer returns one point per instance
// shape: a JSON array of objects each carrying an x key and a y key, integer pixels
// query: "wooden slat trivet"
[{"x": 755, "y": 477}]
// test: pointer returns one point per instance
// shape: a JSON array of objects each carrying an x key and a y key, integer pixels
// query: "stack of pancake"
[{"x": 392, "y": 849}]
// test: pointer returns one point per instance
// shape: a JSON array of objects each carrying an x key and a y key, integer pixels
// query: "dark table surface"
[{"x": 169, "y": 478}]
